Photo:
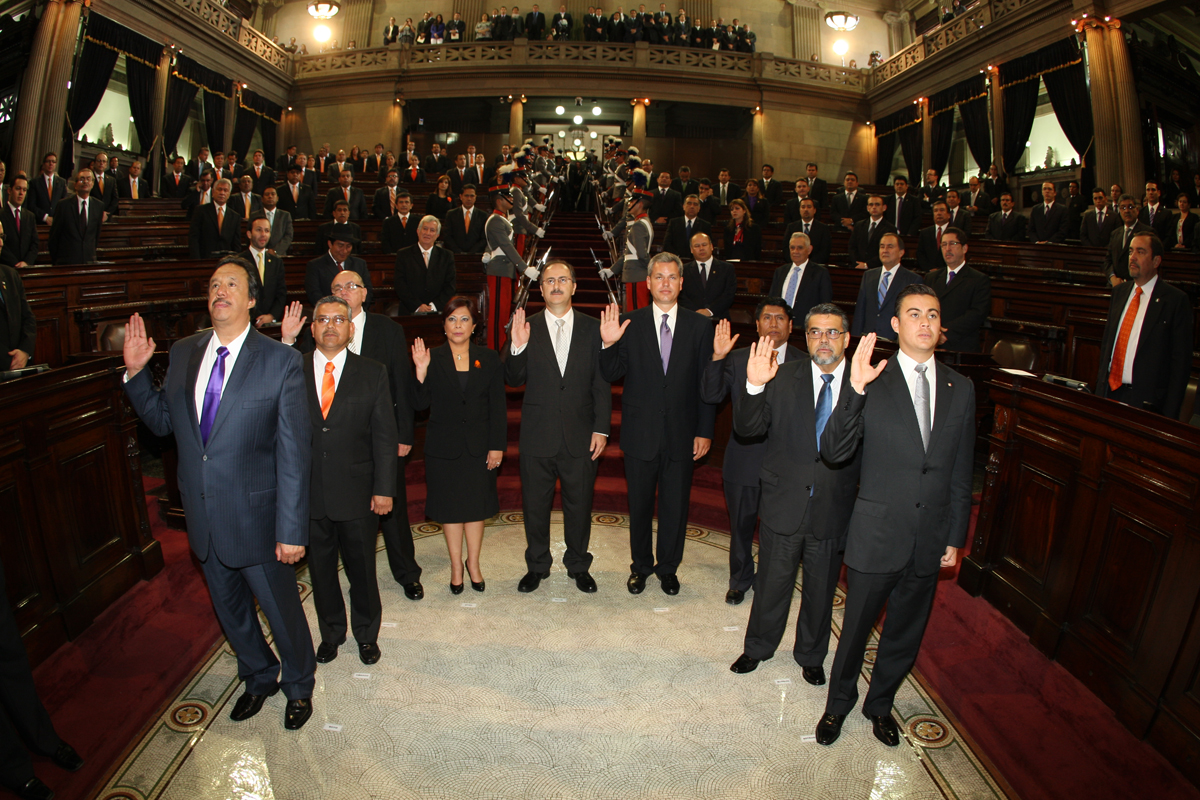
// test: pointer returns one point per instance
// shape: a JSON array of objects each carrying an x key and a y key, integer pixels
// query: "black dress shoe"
[
  {"x": 531, "y": 581},
  {"x": 830, "y": 728},
  {"x": 636, "y": 583},
  {"x": 456, "y": 588},
  {"x": 584, "y": 581},
  {"x": 735, "y": 597},
  {"x": 745, "y": 664},
  {"x": 34, "y": 790},
  {"x": 814, "y": 675},
  {"x": 479, "y": 587},
  {"x": 326, "y": 652},
  {"x": 670, "y": 584},
  {"x": 368, "y": 652},
  {"x": 414, "y": 590},
  {"x": 297, "y": 713},
  {"x": 884, "y": 728},
  {"x": 66, "y": 758},
  {"x": 248, "y": 705}
]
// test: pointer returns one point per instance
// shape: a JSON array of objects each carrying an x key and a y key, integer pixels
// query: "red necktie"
[{"x": 1118, "y": 358}]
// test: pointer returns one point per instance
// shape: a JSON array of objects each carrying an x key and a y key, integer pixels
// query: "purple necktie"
[
  {"x": 664, "y": 337},
  {"x": 950, "y": 276},
  {"x": 212, "y": 394}
]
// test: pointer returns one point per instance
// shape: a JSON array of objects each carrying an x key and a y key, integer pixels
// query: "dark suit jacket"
[
  {"x": 773, "y": 191},
  {"x": 457, "y": 182},
  {"x": 912, "y": 503},
  {"x": 124, "y": 190},
  {"x": 464, "y": 422},
  {"x": 168, "y": 188},
  {"x": 716, "y": 295},
  {"x": 732, "y": 192},
  {"x": 910, "y": 213},
  {"x": 560, "y": 409},
  {"x": 676, "y": 240},
  {"x": 864, "y": 246},
  {"x": 710, "y": 208},
  {"x": 108, "y": 195},
  {"x": 841, "y": 207},
  {"x": 1162, "y": 219},
  {"x": 20, "y": 326},
  {"x": 358, "y": 203},
  {"x": 760, "y": 212},
  {"x": 784, "y": 414},
  {"x": 791, "y": 211},
  {"x": 274, "y": 286},
  {"x": 67, "y": 244},
  {"x": 18, "y": 247},
  {"x": 1116, "y": 260},
  {"x": 305, "y": 208},
  {"x": 267, "y": 178},
  {"x": 312, "y": 179},
  {"x": 239, "y": 205},
  {"x": 332, "y": 171},
  {"x": 247, "y": 489},
  {"x": 319, "y": 273},
  {"x": 661, "y": 413},
  {"x": 354, "y": 448},
  {"x": 458, "y": 238},
  {"x": 1189, "y": 232},
  {"x": 41, "y": 203},
  {"x": 966, "y": 304},
  {"x": 195, "y": 168},
  {"x": 818, "y": 190},
  {"x": 1162, "y": 363},
  {"x": 685, "y": 189},
  {"x": 395, "y": 235},
  {"x": 669, "y": 205},
  {"x": 1050, "y": 227},
  {"x": 1076, "y": 205},
  {"x": 322, "y": 239},
  {"x": 415, "y": 285},
  {"x": 727, "y": 378},
  {"x": 869, "y": 316},
  {"x": 929, "y": 256},
  {"x": 815, "y": 287},
  {"x": 407, "y": 176},
  {"x": 983, "y": 203},
  {"x": 204, "y": 238},
  {"x": 819, "y": 235},
  {"x": 1011, "y": 231},
  {"x": 961, "y": 218},
  {"x": 1092, "y": 234},
  {"x": 750, "y": 248}
]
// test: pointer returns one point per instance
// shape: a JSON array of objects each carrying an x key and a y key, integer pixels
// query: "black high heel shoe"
[
  {"x": 479, "y": 587},
  {"x": 456, "y": 588}
]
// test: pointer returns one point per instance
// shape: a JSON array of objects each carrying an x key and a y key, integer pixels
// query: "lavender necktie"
[
  {"x": 664, "y": 337},
  {"x": 212, "y": 394}
]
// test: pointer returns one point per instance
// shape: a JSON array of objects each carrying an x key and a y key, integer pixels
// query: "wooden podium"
[
  {"x": 74, "y": 531},
  {"x": 1089, "y": 540}
]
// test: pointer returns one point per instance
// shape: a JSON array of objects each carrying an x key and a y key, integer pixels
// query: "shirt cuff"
[
  {"x": 598, "y": 433},
  {"x": 751, "y": 389},
  {"x": 516, "y": 351}
]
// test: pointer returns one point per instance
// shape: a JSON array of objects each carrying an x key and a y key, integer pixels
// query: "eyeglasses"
[
  {"x": 338, "y": 320},
  {"x": 346, "y": 287},
  {"x": 1127, "y": 207},
  {"x": 951, "y": 243},
  {"x": 817, "y": 333},
  {"x": 564, "y": 281}
]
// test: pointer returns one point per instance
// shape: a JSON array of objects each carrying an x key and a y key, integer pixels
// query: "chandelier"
[
  {"x": 838, "y": 20},
  {"x": 324, "y": 9}
]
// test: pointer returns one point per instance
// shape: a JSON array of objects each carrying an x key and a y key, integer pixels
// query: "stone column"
[
  {"x": 639, "y": 125},
  {"x": 1106, "y": 151},
  {"x": 33, "y": 91},
  {"x": 758, "y": 147},
  {"x": 54, "y": 101},
  {"x": 900, "y": 30},
  {"x": 807, "y": 20},
  {"x": 396, "y": 130},
  {"x": 997, "y": 101},
  {"x": 155, "y": 168},
  {"x": 516, "y": 122},
  {"x": 1129, "y": 125},
  {"x": 926, "y": 143}
]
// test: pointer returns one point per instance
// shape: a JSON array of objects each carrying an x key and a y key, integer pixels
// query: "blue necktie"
[
  {"x": 824, "y": 407},
  {"x": 790, "y": 291},
  {"x": 883, "y": 287},
  {"x": 212, "y": 394}
]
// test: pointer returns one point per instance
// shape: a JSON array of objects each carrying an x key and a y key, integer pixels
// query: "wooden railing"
[{"x": 237, "y": 29}]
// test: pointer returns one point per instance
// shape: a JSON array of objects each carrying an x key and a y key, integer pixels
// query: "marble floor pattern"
[{"x": 549, "y": 695}]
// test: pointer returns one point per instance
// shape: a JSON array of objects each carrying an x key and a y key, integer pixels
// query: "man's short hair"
[
  {"x": 959, "y": 232},
  {"x": 802, "y": 180},
  {"x": 1156, "y": 244},
  {"x": 706, "y": 182},
  {"x": 253, "y": 284},
  {"x": 341, "y": 203},
  {"x": 773, "y": 301},
  {"x": 470, "y": 186},
  {"x": 827, "y": 308},
  {"x": 256, "y": 216},
  {"x": 1009, "y": 195},
  {"x": 768, "y": 166},
  {"x": 811, "y": 164},
  {"x": 225, "y": 181},
  {"x": 900, "y": 178},
  {"x": 328, "y": 299},
  {"x": 403, "y": 193},
  {"x": 1128, "y": 198},
  {"x": 911, "y": 289},
  {"x": 894, "y": 235},
  {"x": 848, "y": 174},
  {"x": 802, "y": 236},
  {"x": 943, "y": 203},
  {"x": 660, "y": 258},
  {"x": 559, "y": 262},
  {"x": 431, "y": 218}
]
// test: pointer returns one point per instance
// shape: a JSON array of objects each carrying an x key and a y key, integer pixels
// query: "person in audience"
[
  {"x": 535, "y": 24},
  {"x": 977, "y": 200},
  {"x": 932, "y": 190},
  {"x": 725, "y": 376},
  {"x": 1116, "y": 260},
  {"x": 269, "y": 305},
  {"x": 389, "y": 164},
  {"x": 995, "y": 185},
  {"x": 849, "y": 206},
  {"x": 459, "y": 174},
  {"x": 105, "y": 189},
  {"x": 436, "y": 162},
  {"x": 1174, "y": 186},
  {"x": 75, "y": 229},
  {"x": 685, "y": 184},
  {"x": 390, "y": 32},
  {"x": 1098, "y": 223},
  {"x": 400, "y": 229},
  {"x": 321, "y": 162},
  {"x": 320, "y": 272},
  {"x": 818, "y": 189},
  {"x": 1183, "y": 226},
  {"x": 296, "y": 198},
  {"x": 425, "y": 275},
  {"x": 465, "y": 224},
  {"x": 1146, "y": 350},
  {"x": 285, "y": 161},
  {"x": 245, "y": 203},
  {"x": 757, "y": 203},
  {"x": 902, "y": 209},
  {"x": 662, "y": 360},
  {"x": 219, "y": 169},
  {"x": 334, "y": 168},
  {"x": 176, "y": 183},
  {"x": 817, "y": 232},
  {"x": 743, "y": 236},
  {"x": 964, "y": 293},
  {"x": 709, "y": 284},
  {"x": 1048, "y": 219},
  {"x": 282, "y": 230},
  {"x": 1075, "y": 204},
  {"x": 1155, "y": 213},
  {"x": 346, "y": 192},
  {"x": 340, "y": 222},
  {"x": 710, "y": 206},
  {"x": 48, "y": 189},
  {"x": 783, "y": 400},
  {"x": 929, "y": 242},
  {"x": 462, "y": 385},
  {"x": 1007, "y": 225},
  {"x": 133, "y": 186},
  {"x": 959, "y": 217},
  {"x": 681, "y": 229},
  {"x": 879, "y": 289},
  {"x": 483, "y": 29},
  {"x": 725, "y": 191},
  {"x": 437, "y": 30},
  {"x": 864, "y": 238},
  {"x": 440, "y": 201},
  {"x": 771, "y": 188},
  {"x": 19, "y": 227},
  {"x": 256, "y": 455},
  {"x": 308, "y": 176},
  {"x": 1194, "y": 190},
  {"x": 384, "y": 203},
  {"x": 215, "y": 227},
  {"x": 373, "y": 162},
  {"x": 199, "y": 165},
  {"x": 18, "y": 327},
  {"x": 1115, "y": 191},
  {"x": 481, "y": 171},
  {"x": 803, "y": 283},
  {"x": 413, "y": 173},
  {"x": 199, "y": 195},
  {"x": 667, "y": 203}
]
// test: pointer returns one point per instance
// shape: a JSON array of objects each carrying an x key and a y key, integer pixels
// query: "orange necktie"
[
  {"x": 1118, "y": 359},
  {"x": 327, "y": 390},
  {"x": 393, "y": 200},
  {"x": 220, "y": 217},
  {"x": 295, "y": 193},
  {"x": 347, "y": 192},
  {"x": 133, "y": 188},
  {"x": 466, "y": 219},
  {"x": 246, "y": 202}
]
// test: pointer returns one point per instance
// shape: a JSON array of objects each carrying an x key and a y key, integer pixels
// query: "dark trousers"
[
  {"x": 273, "y": 584},
  {"x": 673, "y": 482},
  {"x": 24, "y": 722},
  {"x": 779, "y": 557},
  {"x": 355, "y": 540},
  {"x": 909, "y": 599},
  {"x": 578, "y": 476},
  {"x": 742, "y": 503},
  {"x": 397, "y": 534}
]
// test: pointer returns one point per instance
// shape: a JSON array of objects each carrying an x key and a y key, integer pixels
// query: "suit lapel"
[
  {"x": 194, "y": 359},
  {"x": 904, "y": 407},
  {"x": 807, "y": 412},
  {"x": 236, "y": 379},
  {"x": 941, "y": 407},
  {"x": 1153, "y": 314},
  {"x": 349, "y": 379},
  {"x": 310, "y": 383}
]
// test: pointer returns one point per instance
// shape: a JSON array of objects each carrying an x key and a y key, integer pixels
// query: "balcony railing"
[{"x": 233, "y": 26}]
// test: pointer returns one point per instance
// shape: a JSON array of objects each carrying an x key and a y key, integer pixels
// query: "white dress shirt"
[
  {"x": 798, "y": 271},
  {"x": 907, "y": 365},
  {"x": 672, "y": 316},
  {"x": 567, "y": 329},
  {"x": 209, "y": 361},
  {"x": 1136, "y": 332},
  {"x": 835, "y": 385},
  {"x": 319, "y": 362},
  {"x": 360, "y": 327}
]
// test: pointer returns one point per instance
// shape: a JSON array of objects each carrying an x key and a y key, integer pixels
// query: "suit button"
[
  {"x": 923, "y": 471},
  {"x": 817, "y": 460},
  {"x": 918, "y": 505},
  {"x": 324, "y": 430},
  {"x": 201, "y": 495},
  {"x": 808, "y": 488},
  {"x": 204, "y": 458}
]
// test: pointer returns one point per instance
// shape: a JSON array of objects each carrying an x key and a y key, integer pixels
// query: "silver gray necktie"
[
  {"x": 560, "y": 346},
  {"x": 923, "y": 418}
]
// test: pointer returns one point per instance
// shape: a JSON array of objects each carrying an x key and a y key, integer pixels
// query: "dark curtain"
[
  {"x": 941, "y": 132},
  {"x": 941, "y": 111},
  {"x": 911, "y": 143},
  {"x": 217, "y": 90},
  {"x": 268, "y": 140},
  {"x": 1020, "y": 104},
  {"x": 141, "y": 66},
  {"x": 1068, "y": 91},
  {"x": 903, "y": 126},
  {"x": 885, "y": 151},
  {"x": 95, "y": 67},
  {"x": 259, "y": 108},
  {"x": 180, "y": 94},
  {"x": 1019, "y": 82},
  {"x": 974, "y": 116},
  {"x": 214, "y": 120},
  {"x": 142, "y": 80},
  {"x": 243, "y": 130}
]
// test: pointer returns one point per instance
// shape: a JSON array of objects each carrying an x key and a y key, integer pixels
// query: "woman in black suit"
[
  {"x": 462, "y": 385},
  {"x": 756, "y": 201},
  {"x": 743, "y": 239},
  {"x": 440, "y": 202}
]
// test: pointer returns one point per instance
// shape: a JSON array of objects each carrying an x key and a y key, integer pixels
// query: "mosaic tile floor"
[{"x": 554, "y": 694}]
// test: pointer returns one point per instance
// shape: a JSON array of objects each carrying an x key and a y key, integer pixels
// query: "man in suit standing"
[
  {"x": 932, "y": 190},
  {"x": 929, "y": 242},
  {"x": 464, "y": 224},
  {"x": 459, "y": 176},
  {"x": 273, "y": 297},
  {"x": 1096, "y": 227},
  {"x": 176, "y": 183},
  {"x": 959, "y": 217},
  {"x": 535, "y": 24},
  {"x": 1116, "y": 260},
  {"x": 320, "y": 272},
  {"x": 772, "y": 189},
  {"x": 1183, "y": 226},
  {"x": 391, "y": 32},
  {"x": 76, "y": 224},
  {"x": 789, "y": 405},
  {"x": 296, "y": 198},
  {"x": 244, "y": 454},
  {"x": 384, "y": 203},
  {"x": 818, "y": 233},
  {"x": 284, "y": 162},
  {"x": 105, "y": 189},
  {"x": 964, "y": 294},
  {"x": 436, "y": 163},
  {"x": 977, "y": 200},
  {"x": 709, "y": 284},
  {"x": 48, "y": 189},
  {"x": 308, "y": 176},
  {"x": 1146, "y": 350},
  {"x": 849, "y": 206},
  {"x": 710, "y": 206},
  {"x": 864, "y": 238},
  {"x": 565, "y": 420},
  {"x": 681, "y": 229},
  {"x": 334, "y": 169},
  {"x": 903, "y": 210},
  {"x": 352, "y": 195},
  {"x": 1155, "y": 213},
  {"x": 791, "y": 211},
  {"x": 134, "y": 186},
  {"x": 353, "y": 479},
  {"x": 725, "y": 191},
  {"x": 803, "y": 283},
  {"x": 668, "y": 203},
  {"x": 400, "y": 229},
  {"x": 215, "y": 226},
  {"x": 245, "y": 203},
  {"x": 725, "y": 376},
  {"x": 1048, "y": 220},
  {"x": 282, "y": 230},
  {"x": 340, "y": 222},
  {"x": 665, "y": 426},
  {"x": 18, "y": 328},
  {"x": 425, "y": 274},
  {"x": 1076, "y": 204},
  {"x": 413, "y": 172},
  {"x": 199, "y": 195},
  {"x": 685, "y": 184},
  {"x": 913, "y": 506},
  {"x": 818, "y": 189},
  {"x": 1007, "y": 225},
  {"x": 879, "y": 289},
  {"x": 260, "y": 174},
  {"x": 199, "y": 165},
  {"x": 19, "y": 227}
]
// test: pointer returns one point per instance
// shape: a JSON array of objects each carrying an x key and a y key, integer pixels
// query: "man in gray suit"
[
  {"x": 282, "y": 232},
  {"x": 245, "y": 446},
  {"x": 725, "y": 376}
]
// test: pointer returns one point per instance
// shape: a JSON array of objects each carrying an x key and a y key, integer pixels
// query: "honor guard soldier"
[
  {"x": 515, "y": 176},
  {"x": 639, "y": 234},
  {"x": 502, "y": 264}
]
